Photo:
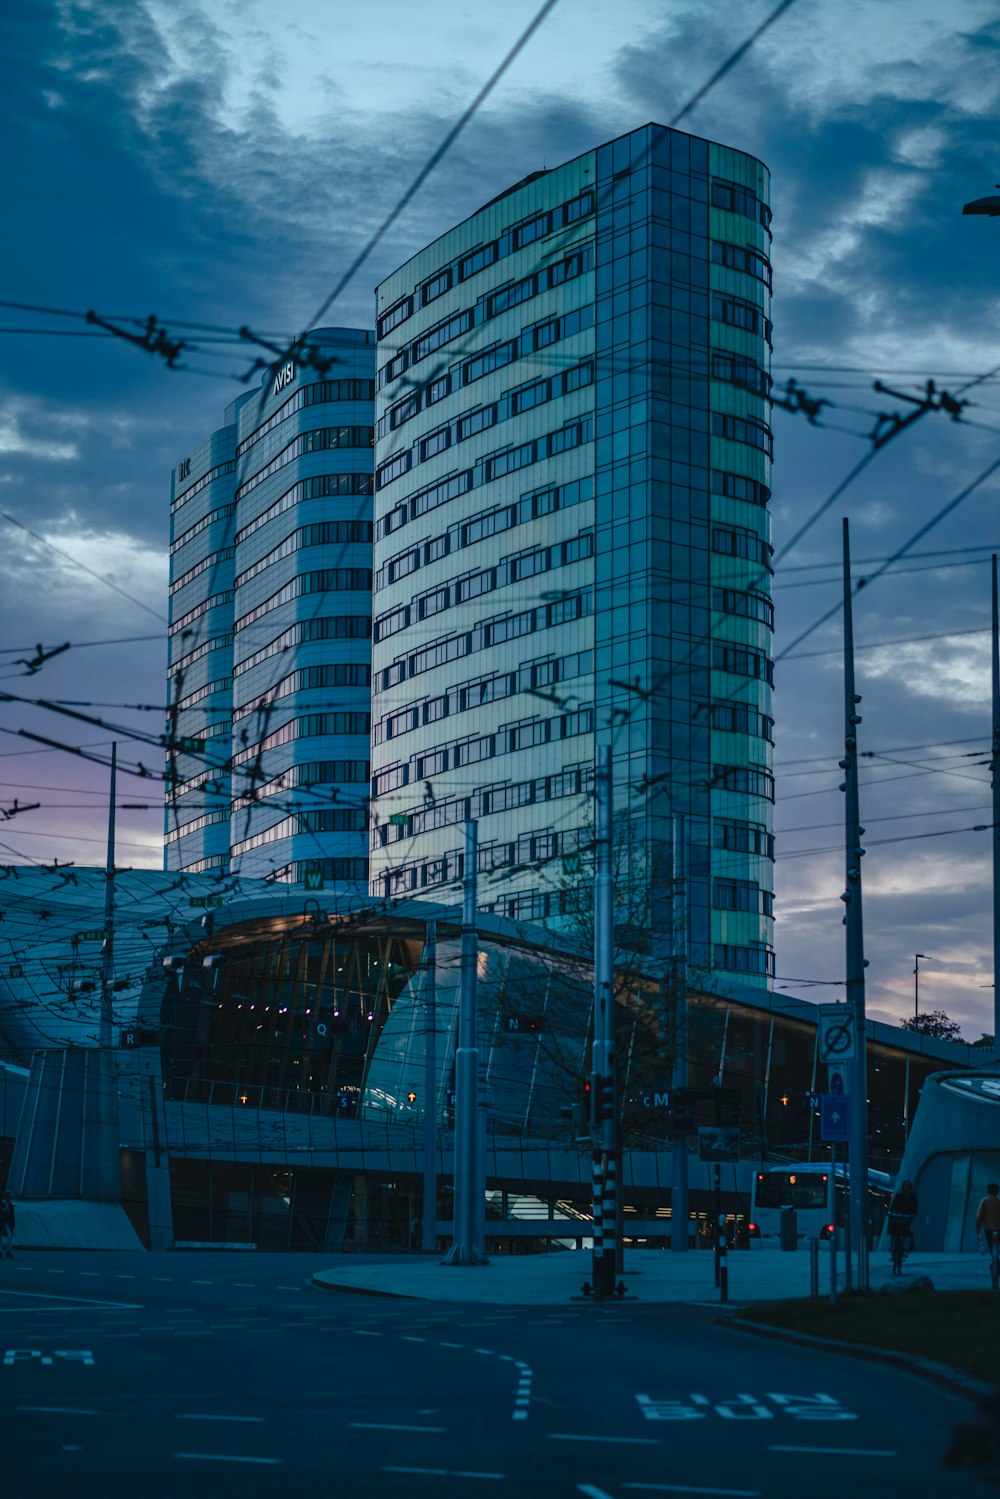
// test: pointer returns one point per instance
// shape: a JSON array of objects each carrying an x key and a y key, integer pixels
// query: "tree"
[
  {"x": 933, "y": 1023},
  {"x": 986, "y": 1041}
]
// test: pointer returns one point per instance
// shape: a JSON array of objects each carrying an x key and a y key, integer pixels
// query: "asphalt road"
[{"x": 223, "y": 1374}]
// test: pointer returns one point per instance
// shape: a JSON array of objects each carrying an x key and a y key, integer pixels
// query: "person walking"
[
  {"x": 902, "y": 1216},
  {"x": 988, "y": 1216},
  {"x": 6, "y": 1226}
]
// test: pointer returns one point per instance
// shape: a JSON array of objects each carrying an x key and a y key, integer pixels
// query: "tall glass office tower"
[
  {"x": 270, "y": 627},
  {"x": 572, "y": 545}
]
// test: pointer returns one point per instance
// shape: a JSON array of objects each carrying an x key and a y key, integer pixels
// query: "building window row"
[
  {"x": 341, "y": 820},
  {"x": 743, "y": 838},
  {"x": 329, "y": 774},
  {"x": 737, "y": 199},
  {"x": 328, "y": 627},
  {"x": 214, "y": 643},
  {"x": 472, "y": 750},
  {"x": 215, "y": 780},
  {"x": 509, "y": 570},
  {"x": 521, "y": 398},
  {"x": 740, "y": 314},
  {"x": 737, "y": 541},
  {"x": 738, "y": 718},
  {"x": 221, "y": 684},
  {"x": 742, "y": 258},
  {"x": 215, "y": 602},
  {"x": 209, "y": 730},
  {"x": 530, "y": 676},
  {"x": 489, "y": 306},
  {"x": 320, "y": 486},
  {"x": 218, "y": 472},
  {"x": 319, "y": 393},
  {"x": 213, "y": 560},
  {"x": 320, "y": 440},
  {"x": 502, "y": 797},
  {"x": 757, "y": 959},
  {"x": 482, "y": 524},
  {"x": 737, "y": 369},
  {"x": 346, "y": 871},
  {"x": 495, "y": 465},
  {"x": 307, "y": 679},
  {"x": 742, "y": 895},
  {"x": 743, "y": 429},
  {"x": 749, "y": 605},
  {"x": 491, "y": 632},
  {"x": 326, "y": 580},
  {"x": 739, "y": 487},
  {"x": 466, "y": 371},
  {"x": 755, "y": 780},
  {"x": 206, "y": 821},
  {"x": 221, "y": 512},
  {"x": 203, "y": 866},
  {"x": 742, "y": 661},
  {"x": 465, "y": 266},
  {"x": 530, "y": 848},
  {"x": 323, "y": 533},
  {"x": 309, "y": 726}
]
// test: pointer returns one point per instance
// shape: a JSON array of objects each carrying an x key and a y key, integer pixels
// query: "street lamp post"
[{"x": 916, "y": 981}]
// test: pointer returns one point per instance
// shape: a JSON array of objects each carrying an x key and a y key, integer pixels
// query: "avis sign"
[{"x": 284, "y": 376}]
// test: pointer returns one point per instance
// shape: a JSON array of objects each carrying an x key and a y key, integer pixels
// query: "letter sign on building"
[{"x": 284, "y": 376}]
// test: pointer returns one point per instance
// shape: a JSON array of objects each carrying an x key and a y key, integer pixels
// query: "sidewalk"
[{"x": 653, "y": 1276}]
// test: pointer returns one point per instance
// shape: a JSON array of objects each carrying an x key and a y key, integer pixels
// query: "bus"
[{"x": 817, "y": 1192}]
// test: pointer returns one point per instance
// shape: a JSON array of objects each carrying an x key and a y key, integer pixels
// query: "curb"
[{"x": 941, "y": 1374}]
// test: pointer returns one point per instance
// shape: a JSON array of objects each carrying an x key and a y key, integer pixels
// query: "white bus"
[{"x": 817, "y": 1192}]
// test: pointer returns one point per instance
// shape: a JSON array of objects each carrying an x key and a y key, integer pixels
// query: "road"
[{"x": 224, "y": 1374}]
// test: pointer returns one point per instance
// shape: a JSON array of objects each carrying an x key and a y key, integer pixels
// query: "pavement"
[{"x": 650, "y": 1275}]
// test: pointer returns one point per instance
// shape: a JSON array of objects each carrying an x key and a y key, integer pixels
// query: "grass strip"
[{"x": 959, "y": 1328}]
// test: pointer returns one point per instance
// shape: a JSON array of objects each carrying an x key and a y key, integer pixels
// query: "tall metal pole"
[
  {"x": 916, "y": 982},
  {"x": 679, "y": 1209},
  {"x": 429, "y": 1235},
  {"x": 603, "y": 1109},
  {"x": 467, "y": 1247},
  {"x": 995, "y": 768},
  {"x": 108, "y": 945},
  {"x": 855, "y": 954}
]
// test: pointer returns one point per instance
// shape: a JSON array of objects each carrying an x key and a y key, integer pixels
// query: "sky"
[{"x": 220, "y": 163}]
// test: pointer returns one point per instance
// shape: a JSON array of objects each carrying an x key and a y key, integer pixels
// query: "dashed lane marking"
[
  {"x": 570, "y": 1436},
  {"x": 688, "y": 1488},
  {"x": 227, "y": 1457},
  {"x": 203, "y": 1282},
  {"x": 404, "y": 1338},
  {"x": 840, "y": 1451},
  {"x": 444, "y": 1472},
  {"x": 392, "y": 1426},
  {"x": 592, "y": 1492},
  {"x": 196, "y": 1416},
  {"x": 362, "y": 1332},
  {"x": 79, "y": 1303},
  {"x": 57, "y": 1410},
  {"x": 245, "y": 1285}
]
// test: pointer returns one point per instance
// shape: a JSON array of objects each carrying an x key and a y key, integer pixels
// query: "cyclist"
[
  {"x": 902, "y": 1215},
  {"x": 988, "y": 1223}
]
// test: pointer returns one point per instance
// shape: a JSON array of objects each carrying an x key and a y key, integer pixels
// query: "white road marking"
[
  {"x": 362, "y": 1332},
  {"x": 391, "y": 1426},
  {"x": 245, "y": 1285},
  {"x": 591, "y": 1492},
  {"x": 166, "y": 1279},
  {"x": 91, "y": 1273},
  {"x": 203, "y": 1283},
  {"x": 117, "y": 1277},
  {"x": 404, "y": 1338},
  {"x": 87, "y": 1302},
  {"x": 451, "y": 1345},
  {"x": 445, "y": 1472},
  {"x": 563, "y": 1436},
  {"x": 288, "y": 1288},
  {"x": 58, "y": 1410},
  {"x": 60, "y": 1272},
  {"x": 840, "y": 1451},
  {"x": 488, "y": 1351},
  {"x": 687, "y": 1488},
  {"x": 225, "y": 1457},
  {"x": 70, "y": 1448},
  {"x": 193, "y": 1416}
]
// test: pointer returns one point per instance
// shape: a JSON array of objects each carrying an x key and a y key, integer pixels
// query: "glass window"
[
  {"x": 578, "y": 208},
  {"x": 528, "y": 396},
  {"x": 393, "y": 468},
  {"x": 578, "y": 376},
  {"x": 532, "y": 229},
  {"x": 436, "y": 286},
  {"x": 477, "y": 260},
  {"x": 434, "y": 443},
  {"x": 396, "y": 314},
  {"x": 477, "y": 421},
  {"x": 510, "y": 296}
]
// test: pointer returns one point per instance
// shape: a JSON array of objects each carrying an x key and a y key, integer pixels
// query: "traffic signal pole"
[
  {"x": 855, "y": 947},
  {"x": 679, "y": 1209},
  {"x": 429, "y": 1219},
  {"x": 603, "y": 1111}
]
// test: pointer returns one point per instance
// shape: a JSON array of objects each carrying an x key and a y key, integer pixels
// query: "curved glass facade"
[
  {"x": 572, "y": 546},
  {"x": 271, "y": 627}
]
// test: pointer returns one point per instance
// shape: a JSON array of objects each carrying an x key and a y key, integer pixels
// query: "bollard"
[
  {"x": 813, "y": 1267},
  {"x": 833, "y": 1268}
]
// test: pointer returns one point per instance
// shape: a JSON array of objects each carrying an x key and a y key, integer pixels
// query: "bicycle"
[{"x": 900, "y": 1229}]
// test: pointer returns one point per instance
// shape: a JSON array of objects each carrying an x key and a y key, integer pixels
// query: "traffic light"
[
  {"x": 411, "y": 1097},
  {"x": 600, "y": 1090}
]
